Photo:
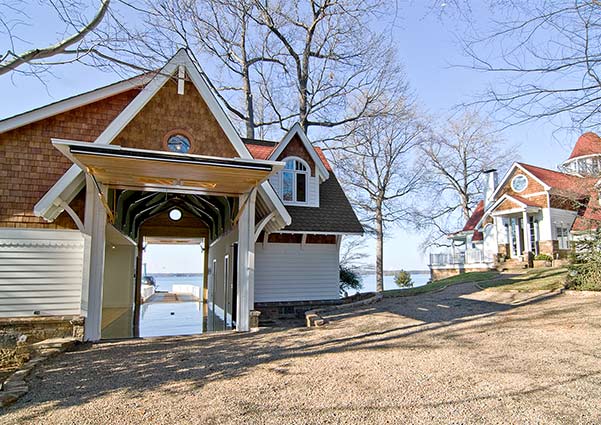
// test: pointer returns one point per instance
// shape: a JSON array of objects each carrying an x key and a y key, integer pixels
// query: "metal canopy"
[{"x": 146, "y": 170}]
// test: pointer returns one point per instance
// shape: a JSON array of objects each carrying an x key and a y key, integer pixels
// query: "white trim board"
[
  {"x": 297, "y": 130},
  {"x": 73, "y": 102}
]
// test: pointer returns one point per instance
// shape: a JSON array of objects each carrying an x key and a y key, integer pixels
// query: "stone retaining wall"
[{"x": 41, "y": 328}]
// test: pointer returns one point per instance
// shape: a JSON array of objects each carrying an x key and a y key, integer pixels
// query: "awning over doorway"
[{"x": 157, "y": 171}]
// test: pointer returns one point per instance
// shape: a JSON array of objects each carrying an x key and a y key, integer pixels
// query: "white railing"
[{"x": 468, "y": 257}]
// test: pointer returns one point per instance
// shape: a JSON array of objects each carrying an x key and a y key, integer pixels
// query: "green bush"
[
  {"x": 543, "y": 257},
  {"x": 403, "y": 279},
  {"x": 349, "y": 279},
  {"x": 584, "y": 272}
]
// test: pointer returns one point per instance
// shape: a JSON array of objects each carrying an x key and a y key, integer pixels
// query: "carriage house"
[
  {"x": 85, "y": 181},
  {"x": 531, "y": 211}
]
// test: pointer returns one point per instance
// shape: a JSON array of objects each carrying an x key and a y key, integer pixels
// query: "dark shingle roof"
[{"x": 334, "y": 213}]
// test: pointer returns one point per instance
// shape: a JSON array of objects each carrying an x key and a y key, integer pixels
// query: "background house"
[{"x": 532, "y": 210}]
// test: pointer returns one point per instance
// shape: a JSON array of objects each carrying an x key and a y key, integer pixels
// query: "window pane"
[
  {"x": 287, "y": 182},
  {"x": 301, "y": 187},
  {"x": 289, "y": 165},
  {"x": 300, "y": 166}
]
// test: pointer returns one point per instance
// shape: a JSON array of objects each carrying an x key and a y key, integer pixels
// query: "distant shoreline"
[{"x": 393, "y": 272}]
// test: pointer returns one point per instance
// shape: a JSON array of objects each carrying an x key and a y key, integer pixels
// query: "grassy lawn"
[
  {"x": 439, "y": 284},
  {"x": 537, "y": 279}
]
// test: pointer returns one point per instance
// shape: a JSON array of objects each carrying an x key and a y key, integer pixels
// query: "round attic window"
[
  {"x": 519, "y": 183},
  {"x": 178, "y": 143},
  {"x": 175, "y": 214}
]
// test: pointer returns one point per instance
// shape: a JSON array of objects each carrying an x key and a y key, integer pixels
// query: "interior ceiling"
[{"x": 132, "y": 208}]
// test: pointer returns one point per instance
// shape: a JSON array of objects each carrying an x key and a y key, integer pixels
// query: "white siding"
[
  {"x": 285, "y": 272},
  {"x": 563, "y": 218},
  {"x": 40, "y": 270}
]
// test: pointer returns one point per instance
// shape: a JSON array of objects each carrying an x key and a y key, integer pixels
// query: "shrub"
[
  {"x": 349, "y": 279},
  {"x": 585, "y": 270},
  {"x": 543, "y": 257},
  {"x": 403, "y": 279}
]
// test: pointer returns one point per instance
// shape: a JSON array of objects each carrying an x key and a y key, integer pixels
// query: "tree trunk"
[
  {"x": 248, "y": 99},
  {"x": 379, "y": 250},
  {"x": 248, "y": 95}
]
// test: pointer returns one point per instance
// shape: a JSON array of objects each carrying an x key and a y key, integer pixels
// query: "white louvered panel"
[
  {"x": 40, "y": 271},
  {"x": 284, "y": 272}
]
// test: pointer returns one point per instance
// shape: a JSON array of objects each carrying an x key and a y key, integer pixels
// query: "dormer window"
[{"x": 295, "y": 177}]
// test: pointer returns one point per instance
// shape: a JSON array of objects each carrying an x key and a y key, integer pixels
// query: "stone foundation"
[
  {"x": 41, "y": 328},
  {"x": 295, "y": 310}
]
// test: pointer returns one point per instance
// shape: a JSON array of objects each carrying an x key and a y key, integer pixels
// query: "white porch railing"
[{"x": 468, "y": 257}]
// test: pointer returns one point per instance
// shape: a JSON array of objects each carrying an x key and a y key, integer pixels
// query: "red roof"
[
  {"x": 323, "y": 159},
  {"x": 587, "y": 144},
  {"x": 475, "y": 218},
  {"x": 260, "y": 151},
  {"x": 561, "y": 181},
  {"x": 264, "y": 151},
  {"x": 477, "y": 236}
]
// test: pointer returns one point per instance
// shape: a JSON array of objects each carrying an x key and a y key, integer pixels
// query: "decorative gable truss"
[
  {"x": 179, "y": 67},
  {"x": 316, "y": 173}
]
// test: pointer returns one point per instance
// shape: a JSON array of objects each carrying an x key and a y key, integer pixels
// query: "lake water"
[
  {"x": 165, "y": 283},
  {"x": 369, "y": 282}
]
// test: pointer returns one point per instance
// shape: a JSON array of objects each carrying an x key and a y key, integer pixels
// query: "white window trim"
[{"x": 307, "y": 173}]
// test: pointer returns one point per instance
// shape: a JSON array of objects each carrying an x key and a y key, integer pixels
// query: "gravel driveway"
[{"x": 456, "y": 356}]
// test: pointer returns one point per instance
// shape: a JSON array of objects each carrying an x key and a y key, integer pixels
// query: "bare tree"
[
  {"x": 279, "y": 62},
  {"x": 225, "y": 32},
  {"x": 70, "y": 20},
  {"x": 547, "y": 55},
  {"x": 376, "y": 164},
  {"x": 454, "y": 159}
]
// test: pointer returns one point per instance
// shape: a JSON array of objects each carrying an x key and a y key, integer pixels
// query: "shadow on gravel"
[{"x": 77, "y": 377}]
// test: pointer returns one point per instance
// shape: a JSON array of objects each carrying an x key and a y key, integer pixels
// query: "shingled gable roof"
[
  {"x": 297, "y": 130},
  {"x": 557, "y": 180},
  {"x": 72, "y": 181},
  {"x": 587, "y": 144},
  {"x": 334, "y": 214}
]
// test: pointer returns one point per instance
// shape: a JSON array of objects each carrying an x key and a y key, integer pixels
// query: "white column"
[
  {"x": 246, "y": 261},
  {"x": 510, "y": 236},
  {"x": 518, "y": 242},
  {"x": 526, "y": 228},
  {"x": 95, "y": 225}
]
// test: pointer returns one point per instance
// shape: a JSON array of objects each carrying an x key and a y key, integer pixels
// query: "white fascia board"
[
  {"x": 268, "y": 194},
  {"x": 71, "y": 103},
  {"x": 297, "y": 130}
]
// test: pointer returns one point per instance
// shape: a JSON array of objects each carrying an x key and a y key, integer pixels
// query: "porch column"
[
  {"x": 246, "y": 261},
  {"x": 95, "y": 226},
  {"x": 526, "y": 228}
]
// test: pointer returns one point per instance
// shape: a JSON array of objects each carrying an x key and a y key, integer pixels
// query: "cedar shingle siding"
[
  {"x": 167, "y": 111},
  {"x": 30, "y": 165}
]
